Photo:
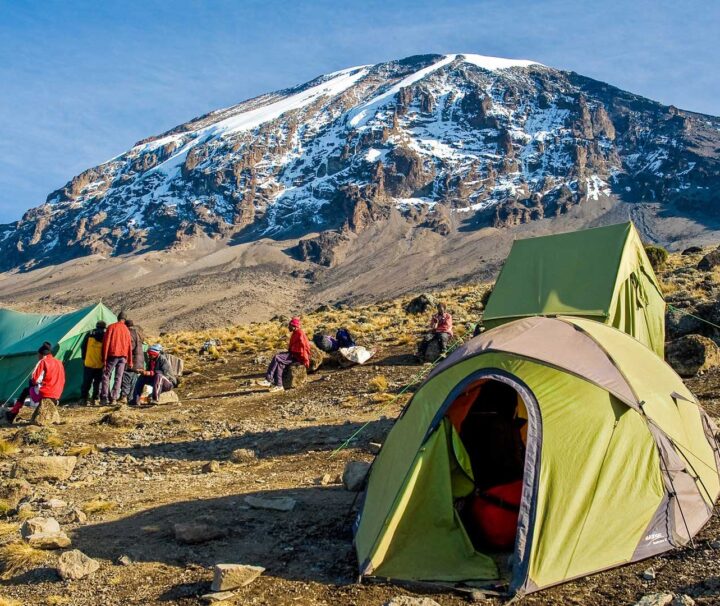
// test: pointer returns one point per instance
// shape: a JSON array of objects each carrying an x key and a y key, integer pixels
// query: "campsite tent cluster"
[
  {"x": 21, "y": 334},
  {"x": 621, "y": 462}
]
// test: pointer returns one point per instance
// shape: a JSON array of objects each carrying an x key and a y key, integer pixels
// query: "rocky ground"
[{"x": 139, "y": 474}]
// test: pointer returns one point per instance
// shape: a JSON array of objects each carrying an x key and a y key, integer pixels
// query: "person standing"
[
  {"x": 117, "y": 356},
  {"x": 45, "y": 386},
  {"x": 298, "y": 351},
  {"x": 138, "y": 360},
  {"x": 92, "y": 363}
]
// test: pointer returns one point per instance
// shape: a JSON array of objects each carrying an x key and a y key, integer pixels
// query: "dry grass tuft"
[
  {"x": 57, "y": 600},
  {"x": 26, "y": 514},
  {"x": 97, "y": 506},
  {"x": 7, "y": 528},
  {"x": 380, "y": 398},
  {"x": 54, "y": 441},
  {"x": 81, "y": 450},
  {"x": 378, "y": 384},
  {"x": 19, "y": 557},
  {"x": 7, "y": 448},
  {"x": 4, "y": 507},
  {"x": 9, "y": 602}
]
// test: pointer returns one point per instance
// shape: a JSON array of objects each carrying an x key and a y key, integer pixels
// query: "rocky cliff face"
[{"x": 491, "y": 141}]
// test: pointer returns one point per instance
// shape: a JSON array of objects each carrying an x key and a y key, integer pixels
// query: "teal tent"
[{"x": 22, "y": 334}]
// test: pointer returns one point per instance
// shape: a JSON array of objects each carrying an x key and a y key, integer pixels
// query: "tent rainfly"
[
  {"x": 618, "y": 460},
  {"x": 601, "y": 273},
  {"x": 22, "y": 334}
]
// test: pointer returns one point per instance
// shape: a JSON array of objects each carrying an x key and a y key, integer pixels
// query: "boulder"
[
  {"x": 46, "y": 414},
  {"x": 692, "y": 354},
  {"x": 420, "y": 304},
  {"x": 679, "y": 324},
  {"x": 78, "y": 516},
  {"x": 36, "y": 525},
  {"x": 295, "y": 376},
  {"x": 432, "y": 351},
  {"x": 682, "y": 600},
  {"x": 710, "y": 260},
  {"x": 243, "y": 455},
  {"x": 232, "y": 576},
  {"x": 274, "y": 503},
  {"x": 692, "y": 250},
  {"x": 122, "y": 417},
  {"x": 35, "y": 469},
  {"x": 74, "y": 565},
  {"x": 48, "y": 540},
  {"x": 14, "y": 491},
  {"x": 168, "y": 397},
  {"x": 193, "y": 533},
  {"x": 655, "y": 599},
  {"x": 353, "y": 477},
  {"x": 317, "y": 358},
  {"x": 406, "y": 600}
]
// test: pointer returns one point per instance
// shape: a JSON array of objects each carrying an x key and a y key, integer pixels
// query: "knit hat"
[
  {"x": 157, "y": 348},
  {"x": 295, "y": 322}
]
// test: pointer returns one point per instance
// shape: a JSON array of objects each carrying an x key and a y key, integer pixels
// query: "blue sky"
[{"x": 83, "y": 81}]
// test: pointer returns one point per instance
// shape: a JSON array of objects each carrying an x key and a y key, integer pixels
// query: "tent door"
[{"x": 498, "y": 421}]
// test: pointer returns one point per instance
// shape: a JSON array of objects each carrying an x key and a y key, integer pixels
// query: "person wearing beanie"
[
  {"x": 138, "y": 361},
  {"x": 117, "y": 356},
  {"x": 298, "y": 352},
  {"x": 92, "y": 363},
  {"x": 45, "y": 386},
  {"x": 159, "y": 375}
]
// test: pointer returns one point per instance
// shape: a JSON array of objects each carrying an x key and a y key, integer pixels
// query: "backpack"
[
  {"x": 323, "y": 342},
  {"x": 344, "y": 338}
]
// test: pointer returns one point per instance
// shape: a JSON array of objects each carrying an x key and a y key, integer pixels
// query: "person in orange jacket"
[
  {"x": 46, "y": 382},
  {"x": 298, "y": 351},
  {"x": 117, "y": 356}
]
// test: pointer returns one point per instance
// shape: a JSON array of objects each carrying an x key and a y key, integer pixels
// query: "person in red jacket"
[
  {"x": 298, "y": 351},
  {"x": 117, "y": 356},
  {"x": 441, "y": 330},
  {"x": 46, "y": 383}
]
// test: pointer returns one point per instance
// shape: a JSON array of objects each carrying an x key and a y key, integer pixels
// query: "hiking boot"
[
  {"x": 113, "y": 402},
  {"x": 275, "y": 388},
  {"x": 10, "y": 417},
  {"x": 85, "y": 402},
  {"x": 103, "y": 402},
  {"x": 265, "y": 383}
]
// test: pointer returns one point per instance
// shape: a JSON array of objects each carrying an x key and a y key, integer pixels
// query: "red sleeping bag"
[{"x": 495, "y": 515}]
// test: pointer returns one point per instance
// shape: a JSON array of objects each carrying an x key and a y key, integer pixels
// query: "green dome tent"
[
  {"x": 620, "y": 462},
  {"x": 22, "y": 334},
  {"x": 601, "y": 273}
]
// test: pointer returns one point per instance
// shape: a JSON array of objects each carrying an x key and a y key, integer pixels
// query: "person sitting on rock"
[
  {"x": 45, "y": 386},
  {"x": 441, "y": 331},
  {"x": 158, "y": 375},
  {"x": 298, "y": 352}
]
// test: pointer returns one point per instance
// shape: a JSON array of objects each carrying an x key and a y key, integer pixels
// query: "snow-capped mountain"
[{"x": 440, "y": 140}]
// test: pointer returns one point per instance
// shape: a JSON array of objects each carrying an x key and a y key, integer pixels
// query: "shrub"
[
  {"x": 378, "y": 384},
  {"x": 97, "y": 506},
  {"x": 657, "y": 255},
  {"x": 18, "y": 557},
  {"x": 7, "y": 448}
]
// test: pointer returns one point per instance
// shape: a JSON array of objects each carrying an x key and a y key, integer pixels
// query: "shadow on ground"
[
  {"x": 313, "y": 542},
  {"x": 266, "y": 444}
]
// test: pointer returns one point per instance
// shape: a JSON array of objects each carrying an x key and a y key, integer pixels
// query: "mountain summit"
[{"x": 445, "y": 141}]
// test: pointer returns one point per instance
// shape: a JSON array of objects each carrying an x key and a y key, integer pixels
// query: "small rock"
[
  {"x": 35, "y": 469},
  {"x": 649, "y": 574},
  {"x": 55, "y": 504},
  {"x": 217, "y": 598},
  {"x": 211, "y": 467},
  {"x": 48, "y": 540},
  {"x": 715, "y": 544},
  {"x": 325, "y": 480},
  {"x": 655, "y": 599},
  {"x": 192, "y": 533},
  {"x": 374, "y": 447},
  {"x": 78, "y": 516},
  {"x": 682, "y": 600},
  {"x": 232, "y": 576},
  {"x": 74, "y": 565},
  {"x": 406, "y": 600},
  {"x": 168, "y": 397},
  {"x": 353, "y": 477},
  {"x": 122, "y": 417},
  {"x": 124, "y": 560},
  {"x": 35, "y": 525},
  {"x": 242, "y": 455},
  {"x": 274, "y": 503}
]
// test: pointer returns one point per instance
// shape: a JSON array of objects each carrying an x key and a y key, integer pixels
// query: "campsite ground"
[{"x": 143, "y": 472}]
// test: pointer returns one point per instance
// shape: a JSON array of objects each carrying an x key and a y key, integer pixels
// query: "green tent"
[
  {"x": 601, "y": 273},
  {"x": 620, "y": 462},
  {"x": 22, "y": 334}
]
